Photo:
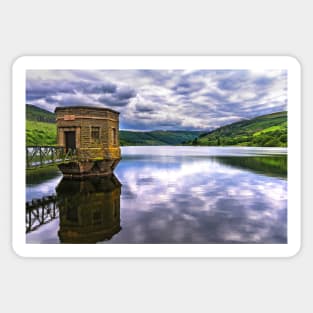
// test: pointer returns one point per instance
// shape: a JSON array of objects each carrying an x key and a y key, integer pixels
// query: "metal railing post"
[{"x": 40, "y": 155}]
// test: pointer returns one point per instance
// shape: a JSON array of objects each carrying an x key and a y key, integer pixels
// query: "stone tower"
[{"x": 92, "y": 133}]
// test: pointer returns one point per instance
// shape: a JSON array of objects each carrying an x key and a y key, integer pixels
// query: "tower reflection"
[{"x": 89, "y": 209}]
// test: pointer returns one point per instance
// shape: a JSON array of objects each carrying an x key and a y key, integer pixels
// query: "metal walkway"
[{"x": 40, "y": 156}]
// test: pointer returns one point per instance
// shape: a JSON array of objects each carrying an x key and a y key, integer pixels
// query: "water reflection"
[
  {"x": 89, "y": 209},
  {"x": 275, "y": 165},
  {"x": 42, "y": 182},
  {"x": 170, "y": 197}
]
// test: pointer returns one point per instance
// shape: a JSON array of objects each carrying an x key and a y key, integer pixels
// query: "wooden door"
[{"x": 70, "y": 140}]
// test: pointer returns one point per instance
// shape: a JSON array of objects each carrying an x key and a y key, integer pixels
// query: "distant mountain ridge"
[
  {"x": 268, "y": 130},
  {"x": 37, "y": 114},
  {"x": 156, "y": 137},
  {"x": 41, "y": 130}
]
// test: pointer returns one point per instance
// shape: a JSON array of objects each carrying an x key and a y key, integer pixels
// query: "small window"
[
  {"x": 114, "y": 136},
  {"x": 95, "y": 134}
]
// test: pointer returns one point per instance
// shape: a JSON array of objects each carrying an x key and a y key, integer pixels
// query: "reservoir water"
[{"x": 171, "y": 195}]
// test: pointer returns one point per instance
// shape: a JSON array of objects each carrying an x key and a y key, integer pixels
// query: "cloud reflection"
[
  {"x": 200, "y": 201},
  {"x": 168, "y": 198}
]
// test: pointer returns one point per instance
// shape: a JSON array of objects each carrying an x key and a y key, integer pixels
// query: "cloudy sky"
[{"x": 163, "y": 99}]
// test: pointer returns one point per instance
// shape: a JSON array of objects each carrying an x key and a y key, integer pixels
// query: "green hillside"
[
  {"x": 40, "y": 133},
  {"x": 156, "y": 138},
  {"x": 34, "y": 113},
  {"x": 263, "y": 131},
  {"x": 41, "y": 130}
]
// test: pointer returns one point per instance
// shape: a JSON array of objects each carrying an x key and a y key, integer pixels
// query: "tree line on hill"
[{"x": 264, "y": 131}]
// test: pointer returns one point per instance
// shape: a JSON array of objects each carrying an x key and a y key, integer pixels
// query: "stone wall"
[{"x": 88, "y": 120}]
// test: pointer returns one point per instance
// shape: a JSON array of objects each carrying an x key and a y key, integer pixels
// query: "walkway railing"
[
  {"x": 37, "y": 156},
  {"x": 40, "y": 211}
]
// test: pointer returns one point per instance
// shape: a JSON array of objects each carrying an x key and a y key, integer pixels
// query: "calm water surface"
[{"x": 172, "y": 195}]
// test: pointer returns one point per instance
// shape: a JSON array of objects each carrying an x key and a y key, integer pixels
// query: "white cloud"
[{"x": 158, "y": 99}]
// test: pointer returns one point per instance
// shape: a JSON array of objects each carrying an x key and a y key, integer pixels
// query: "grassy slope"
[
  {"x": 267, "y": 130},
  {"x": 40, "y": 127},
  {"x": 40, "y": 133}
]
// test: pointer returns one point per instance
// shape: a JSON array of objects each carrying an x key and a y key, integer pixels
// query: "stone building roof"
[{"x": 85, "y": 107}]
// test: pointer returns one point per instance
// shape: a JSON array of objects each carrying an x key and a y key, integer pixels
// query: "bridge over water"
[
  {"x": 87, "y": 139},
  {"x": 39, "y": 156}
]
